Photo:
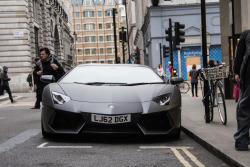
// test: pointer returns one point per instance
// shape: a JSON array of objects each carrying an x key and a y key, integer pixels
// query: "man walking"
[
  {"x": 5, "y": 83},
  {"x": 242, "y": 74},
  {"x": 47, "y": 65}
]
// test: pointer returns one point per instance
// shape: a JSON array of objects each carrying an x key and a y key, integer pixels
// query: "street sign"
[{"x": 18, "y": 34}]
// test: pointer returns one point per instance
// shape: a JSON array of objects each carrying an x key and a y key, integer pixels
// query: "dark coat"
[
  {"x": 48, "y": 70},
  {"x": 5, "y": 79},
  {"x": 36, "y": 77},
  {"x": 194, "y": 75},
  {"x": 241, "y": 60}
]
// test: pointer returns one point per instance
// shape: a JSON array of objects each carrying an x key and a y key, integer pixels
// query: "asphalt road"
[{"x": 22, "y": 144}]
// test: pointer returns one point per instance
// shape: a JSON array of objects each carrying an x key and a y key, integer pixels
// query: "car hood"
[{"x": 115, "y": 94}]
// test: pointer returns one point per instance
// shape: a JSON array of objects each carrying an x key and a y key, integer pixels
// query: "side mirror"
[
  {"x": 47, "y": 78},
  {"x": 176, "y": 80}
]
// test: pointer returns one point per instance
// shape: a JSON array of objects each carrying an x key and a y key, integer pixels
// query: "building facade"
[
  {"x": 26, "y": 26},
  {"x": 94, "y": 31},
  {"x": 151, "y": 33}
]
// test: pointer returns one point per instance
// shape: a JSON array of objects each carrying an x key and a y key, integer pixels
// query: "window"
[
  {"x": 123, "y": 19},
  {"x": 90, "y": 39},
  {"x": 90, "y": 51},
  {"x": 77, "y": 14},
  {"x": 88, "y": 62},
  {"x": 102, "y": 62},
  {"x": 78, "y": 39},
  {"x": 101, "y": 51},
  {"x": 79, "y": 51},
  {"x": 99, "y": 13},
  {"x": 78, "y": 26},
  {"x": 98, "y": 2},
  {"x": 88, "y": 14},
  {"x": 110, "y": 61},
  {"x": 87, "y": 2},
  {"x": 94, "y": 61},
  {"x": 109, "y": 50},
  {"x": 90, "y": 26},
  {"x": 87, "y": 51},
  {"x": 108, "y": 25},
  {"x": 100, "y": 26},
  {"x": 108, "y": 13},
  {"x": 109, "y": 2},
  {"x": 100, "y": 38},
  {"x": 110, "y": 37},
  {"x": 93, "y": 51},
  {"x": 37, "y": 41}
]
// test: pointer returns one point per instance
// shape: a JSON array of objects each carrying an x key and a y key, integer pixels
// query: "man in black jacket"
[
  {"x": 242, "y": 74},
  {"x": 5, "y": 82},
  {"x": 47, "y": 65}
]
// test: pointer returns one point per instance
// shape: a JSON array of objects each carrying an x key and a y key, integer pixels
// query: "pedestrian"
[
  {"x": 1, "y": 90},
  {"x": 29, "y": 80},
  {"x": 160, "y": 71},
  {"x": 211, "y": 63},
  {"x": 170, "y": 68},
  {"x": 194, "y": 79},
  {"x": 47, "y": 65},
  {"x": 38, "y": 84},
  {"x": 242, "y": 74},
  {"x": 217, "y": 63},
  {"x": 5, "y": 82}
]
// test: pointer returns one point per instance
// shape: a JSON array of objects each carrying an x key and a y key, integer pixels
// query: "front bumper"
[{"x": 64, "y": 122}]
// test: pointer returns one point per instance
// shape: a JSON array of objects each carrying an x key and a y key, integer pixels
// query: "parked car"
[{"x": 111, "y": 98}]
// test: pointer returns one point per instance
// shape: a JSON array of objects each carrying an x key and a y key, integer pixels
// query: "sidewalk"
[{"x": 214, "y": 136}]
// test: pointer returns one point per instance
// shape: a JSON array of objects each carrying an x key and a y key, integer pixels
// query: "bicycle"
[{"x": 215, "y": 94}]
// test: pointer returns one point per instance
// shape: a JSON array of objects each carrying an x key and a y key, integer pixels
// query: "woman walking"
[
  {"x": 194, "y": 81},
  {"x": 160, "y": 71}
]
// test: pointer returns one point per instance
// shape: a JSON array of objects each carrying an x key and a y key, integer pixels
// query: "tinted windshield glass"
[{"x": 111, "y": 74}]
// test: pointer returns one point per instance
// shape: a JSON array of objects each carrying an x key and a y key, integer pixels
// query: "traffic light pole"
[
  {"x": 171, "y": 45},
  {"x": 204, "y": 54},
  {"x": 123, "y": 51},
  {"x": 115, "y": 40},
  {"x": 160, "y": 55}
]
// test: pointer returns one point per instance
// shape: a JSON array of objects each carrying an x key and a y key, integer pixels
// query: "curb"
[
  {"x": 212, "y": 149},
  {"x": 4, "y": 99}
]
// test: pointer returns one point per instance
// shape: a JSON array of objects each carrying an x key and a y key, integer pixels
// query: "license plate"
[{"x": 111, "y": 119}]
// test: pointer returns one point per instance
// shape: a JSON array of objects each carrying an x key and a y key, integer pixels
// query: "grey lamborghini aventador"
[{"x": 111, "y": 98}]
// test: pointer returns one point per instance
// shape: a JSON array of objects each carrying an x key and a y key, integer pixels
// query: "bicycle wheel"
[
  {"x": 221, "y": 104},
  {"x": 184, "y": 87}
]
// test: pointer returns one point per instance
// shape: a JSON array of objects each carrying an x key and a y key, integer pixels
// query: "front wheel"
[
  {"x": 184, "y": 87},
  {"x": 221, "y": 105}
]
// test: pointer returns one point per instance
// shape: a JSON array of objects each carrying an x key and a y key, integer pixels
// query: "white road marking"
[
  {"x": 162, "y": 147},
  {"x": 19, "y": 139},
  {"x": 44, "y": 146},
  {"x": 181, "y": 159},
  {"x": 193, "y": 158}
]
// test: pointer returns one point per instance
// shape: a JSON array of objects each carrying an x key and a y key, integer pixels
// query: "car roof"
[{"x": 124, "y": 65}]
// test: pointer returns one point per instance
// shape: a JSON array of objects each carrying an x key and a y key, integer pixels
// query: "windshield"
[{"x": 111, "y": 74}]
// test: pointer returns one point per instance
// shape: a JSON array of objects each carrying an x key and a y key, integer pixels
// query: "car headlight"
[
  {"x": 163, "y": 99},
  {"x": 59, "y": 98}
]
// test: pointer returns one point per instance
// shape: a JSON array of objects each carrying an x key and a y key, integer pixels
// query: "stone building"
[{"x": 26, "y": 26}]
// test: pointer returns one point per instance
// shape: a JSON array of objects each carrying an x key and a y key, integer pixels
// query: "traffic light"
[
  {"x": 123, "y": 36},
  {"x": 179, "y": 35},
  {"x": 169, "y": 34},
  {"x": 166, "y": 51}
]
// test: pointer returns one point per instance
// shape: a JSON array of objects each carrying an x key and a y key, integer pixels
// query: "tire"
[
  {"x": 221, "y": 105},
  {"x": 184, "y": 87}
]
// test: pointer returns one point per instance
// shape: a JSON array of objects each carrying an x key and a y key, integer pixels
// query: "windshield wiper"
[
  {"x": 143, "y": 83},
  {"x": 100, "y": 83}
]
